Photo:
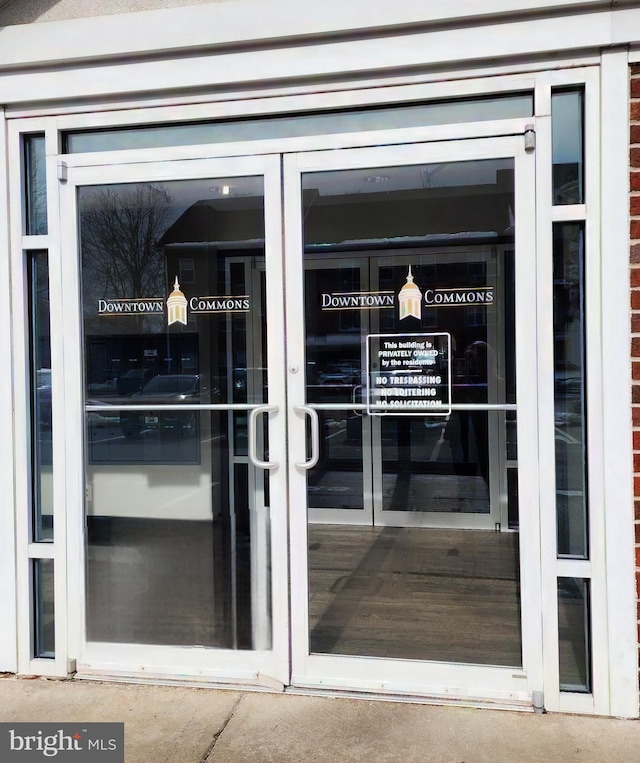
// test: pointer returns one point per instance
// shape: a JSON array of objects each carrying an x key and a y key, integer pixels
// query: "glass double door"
[{"x": 297, "y": 454}]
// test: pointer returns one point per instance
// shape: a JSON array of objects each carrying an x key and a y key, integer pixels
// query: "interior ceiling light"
[
  {"x": 223, "y": 190},
  {"x": 377, "y": 178}
]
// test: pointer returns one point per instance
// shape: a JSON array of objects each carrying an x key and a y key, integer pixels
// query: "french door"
[
  {"x": 368, "y": 465},
  {"x": 178, "y": 459},
  {"x": 412, "y": 419}
]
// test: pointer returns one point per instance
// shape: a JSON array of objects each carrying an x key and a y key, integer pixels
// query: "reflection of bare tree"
[{"x": 121, "y": 227}]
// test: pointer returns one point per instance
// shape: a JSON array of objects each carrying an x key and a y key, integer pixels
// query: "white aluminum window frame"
[
  {"x": 612, "y": 563},
  {"x": 8, "y": 641},
  {"x": 28, "y": 551}
]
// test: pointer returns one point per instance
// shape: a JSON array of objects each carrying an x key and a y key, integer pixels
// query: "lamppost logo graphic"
[
  {"x": 409, "y": 299},
  {"x": 176, "y": 306}
]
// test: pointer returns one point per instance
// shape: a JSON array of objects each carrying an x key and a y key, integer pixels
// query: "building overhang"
[{"x": 239, "y": 43}]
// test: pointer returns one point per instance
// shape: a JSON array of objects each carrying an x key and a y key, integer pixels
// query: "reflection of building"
[
  {"x": 176, "y": 306},
  {"x": 409, "y": 298}
]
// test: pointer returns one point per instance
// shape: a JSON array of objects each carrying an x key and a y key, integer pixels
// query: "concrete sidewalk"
[{"x": 166, "y": 724}]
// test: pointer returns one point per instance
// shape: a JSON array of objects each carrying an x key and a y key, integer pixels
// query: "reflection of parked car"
[
  {"x": 106, "y": 388},
  {"x": 568, "y": 386},
  {"x": 133, "y": 381},
  {"x": 567, "y": 379},
  {"x": 343, "y": 372},
  {"x": 163, "y": 390}
]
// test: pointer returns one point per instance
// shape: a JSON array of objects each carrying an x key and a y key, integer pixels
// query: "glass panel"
[
  {"x": 40, "y": 350},
  {"x": 512, "y": 439},
  {"x": 512, "y": 497},
  {"x": 177, "y": 531},
  {"x": 35, "y": 185},
  {"x": 568, "y": 146},
  {"x": 431, "y": 466},
  {"x": 333, "y": 366},
  {"x": 44, "y": 631},
  {"x": 295, "y": 125},
  {"x": 395, "y": 569},
  {"x": 574, "y": 633},
  {"x": 569, "y": 384}
]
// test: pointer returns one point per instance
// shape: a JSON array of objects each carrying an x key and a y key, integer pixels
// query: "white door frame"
[
  {"x": 363, "y": 516},
  {"x": 496, "y": 433},
  {"x": 611, "y": 564},
  {"x": 403, "y": 676},
  {"x": 372, "y": 512},
  {"x": 256, "y": 667},
  {"x": 8, "y": 641}
]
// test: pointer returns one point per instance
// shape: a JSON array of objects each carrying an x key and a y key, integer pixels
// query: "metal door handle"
[
  {"x": 354, "y": 394},
  {"x": 252, "y": 434},
  {"x": 315, "y": 436}
]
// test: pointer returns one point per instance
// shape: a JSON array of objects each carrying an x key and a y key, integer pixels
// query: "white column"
[
  {"x": 616, "y": 377},
  {"x": 8, "y": 654}
]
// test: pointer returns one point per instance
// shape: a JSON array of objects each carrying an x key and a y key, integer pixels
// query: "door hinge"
[
  {"x": 529, "y": 138},
  {"x": 62, "y": 172}
]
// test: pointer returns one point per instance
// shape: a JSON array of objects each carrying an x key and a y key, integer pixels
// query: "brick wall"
[{"x": 634, "y": 213}]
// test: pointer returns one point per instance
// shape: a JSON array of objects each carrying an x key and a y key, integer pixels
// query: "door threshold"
[
  {"x": 521, "y": 706},
  {"x": 257, "y": 684},
  {"x": 271, "y": 686}
]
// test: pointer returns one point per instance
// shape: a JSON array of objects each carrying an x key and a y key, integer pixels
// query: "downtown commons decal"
[
  {"x": 409, "y": 298},
  {"x": 178, "y": 307},
  {"x": 408, "y": 373}
]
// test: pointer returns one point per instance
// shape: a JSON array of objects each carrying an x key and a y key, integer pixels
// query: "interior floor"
[
  {"x": 169, "y": 582},
  {"x": 445, "y": 595},
  {"x": 414, "y": 593}
]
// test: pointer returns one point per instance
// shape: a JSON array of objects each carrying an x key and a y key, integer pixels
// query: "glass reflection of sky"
[{"x": 567, "y": 127}]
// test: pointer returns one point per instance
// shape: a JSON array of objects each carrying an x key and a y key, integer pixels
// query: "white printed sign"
[{"x": 409, "y": 374}]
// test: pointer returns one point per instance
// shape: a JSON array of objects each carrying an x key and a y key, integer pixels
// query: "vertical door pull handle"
[
  {"x": 252, "y": 433},
  {"x": 354, "y": 394},
  {"x": 315, "y": 436}
]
